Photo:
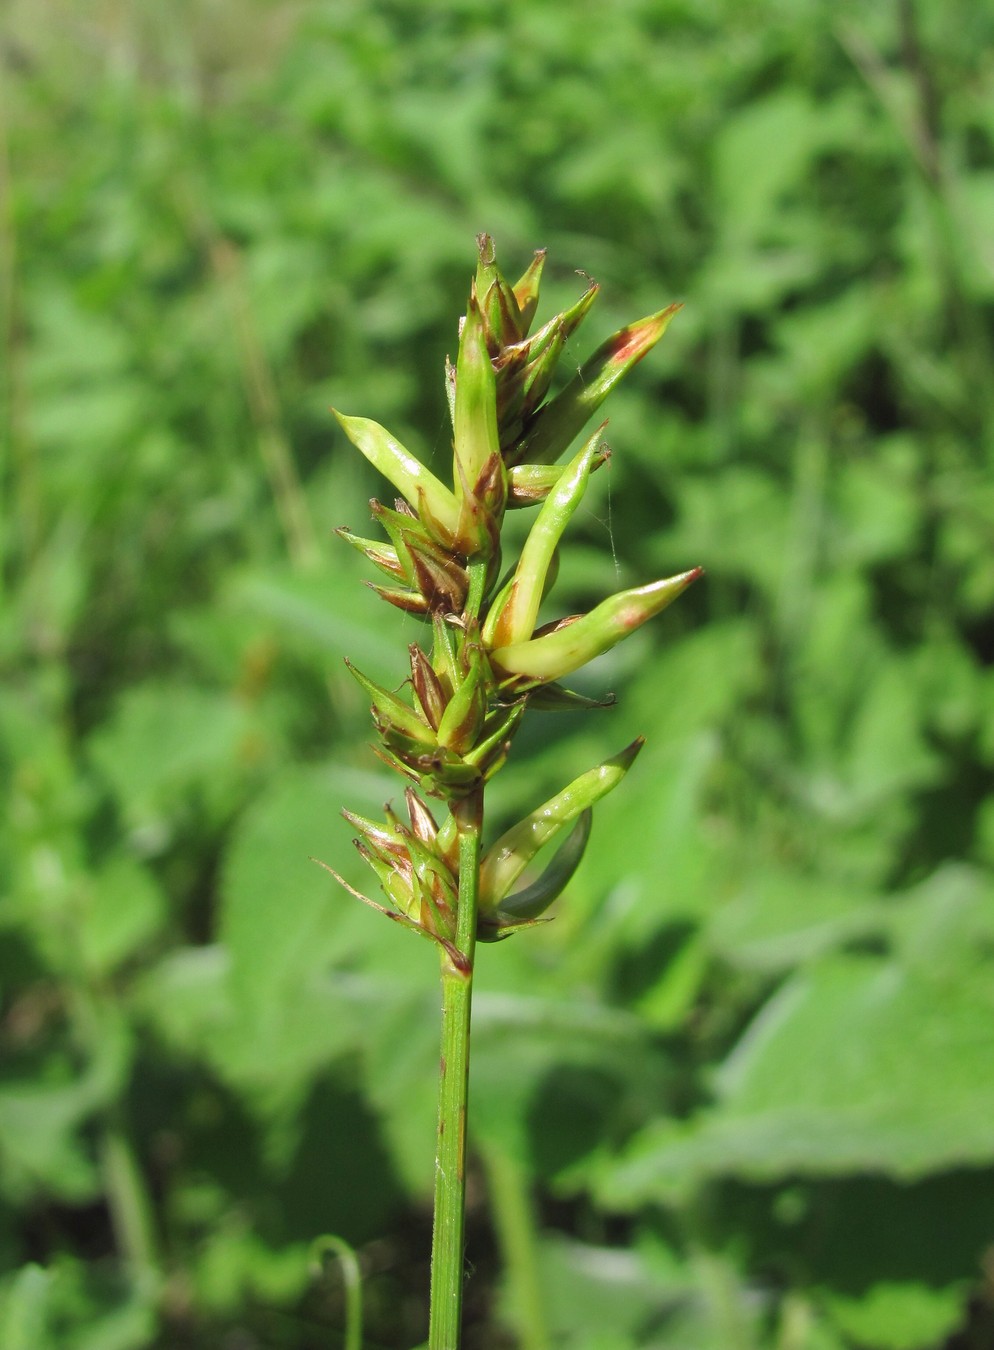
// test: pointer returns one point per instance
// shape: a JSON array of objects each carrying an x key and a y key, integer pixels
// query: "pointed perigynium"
[
  {"x": 414, "y": 871},
  {"x": 454, "y": 735},
  {"x": 428, "y": 578},
  {"x": 428, "y": 688}
]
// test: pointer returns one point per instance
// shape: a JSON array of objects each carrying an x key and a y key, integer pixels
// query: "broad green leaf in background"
[
  {"x": 855, "y": 1064},
  {"x": 43, "y": 1145},
  {"x": 124, "y": 911},
  {"x": 555, "y": 1081},
  {"x": 602, "y": 1298},
  {"x": 779, "y": 918},
  {"x": 170, "y": 745},
  {"x": 283, "y": 922},
  {"x": 323, "y": 612},
  {"x": 900, "y": 1316},
  {"x": 61, "y": 1307},
  {"x": 886, "y": 1263},
  {"x": 22, "y": 1308}
]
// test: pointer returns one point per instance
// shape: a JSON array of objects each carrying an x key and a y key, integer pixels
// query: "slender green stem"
[
  {"x": 514, "y": 1219},
  {"x": 128, "y": 1200},
  {"x": 453, "y": 1089},
  {"x": 453, "y": 1072},
  {"x": 130, "y": 1204},
  {"x": 333, "y": 1246}
]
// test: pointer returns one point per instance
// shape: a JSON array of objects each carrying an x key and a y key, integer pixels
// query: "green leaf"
[
  {"x": 854, "y": 1064},
  {"x": 887, "y": 750},
  {"x": 171, "y": 748},
  {"x": 75, "y": 1305},
  {"x": 780, "y": 917},
  {"x": 186, "y": 998},
  {"x": 42, "y": 1146},
  {"x": 553, "y": 1078},
  {"x": 599, "y": 1297},
  {"x": 283, "y": 920},
  {"x": 317, "y": 614},
  {"x": 23, "y": 1305},
  {"x": 899, "y": 1316},
  {"x": 124, "y": 911},
  {"x": 399, "y": 1055},
  {"x": 888, "y": 1264}
]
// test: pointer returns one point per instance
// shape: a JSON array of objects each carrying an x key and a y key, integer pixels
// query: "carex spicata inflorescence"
[{"x": 484, "y": 661}]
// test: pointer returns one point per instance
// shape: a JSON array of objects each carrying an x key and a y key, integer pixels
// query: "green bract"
[
  {"x": 484, "y": 664},
  {"x": 475, "y": 415},
  {"x": 409, "y": 476},
  {"x": 577, "y": 641},
  {"x": 512, "y": 617},
  {"x": 516, "y": 847}
]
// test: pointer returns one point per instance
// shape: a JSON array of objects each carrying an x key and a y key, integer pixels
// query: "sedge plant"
[{"x": 484, "y": 662}]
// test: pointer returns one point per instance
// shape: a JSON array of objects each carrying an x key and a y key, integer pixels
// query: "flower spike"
[
  {"x": 504, "y": 321},
  {"x": 488, "y": 663}
]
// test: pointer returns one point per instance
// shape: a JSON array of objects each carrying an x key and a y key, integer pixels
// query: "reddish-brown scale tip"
[
  {"x": 632, "y": 343},
  {"x": 460, "y": 964},
  {"x": 627, "y": 757}
]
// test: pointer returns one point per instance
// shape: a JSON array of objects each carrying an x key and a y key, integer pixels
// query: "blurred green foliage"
[{"x": 738, "y": 1096}]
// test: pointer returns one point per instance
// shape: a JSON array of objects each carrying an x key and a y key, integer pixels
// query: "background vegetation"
[{"x": 739, "y": 1095}]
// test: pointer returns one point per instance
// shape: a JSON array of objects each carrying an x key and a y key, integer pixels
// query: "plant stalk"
[
  {"x": 515, "y": 1222},
  {"x": 453, "y": 1091},
  {"x": 129, "y": 1202}
]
